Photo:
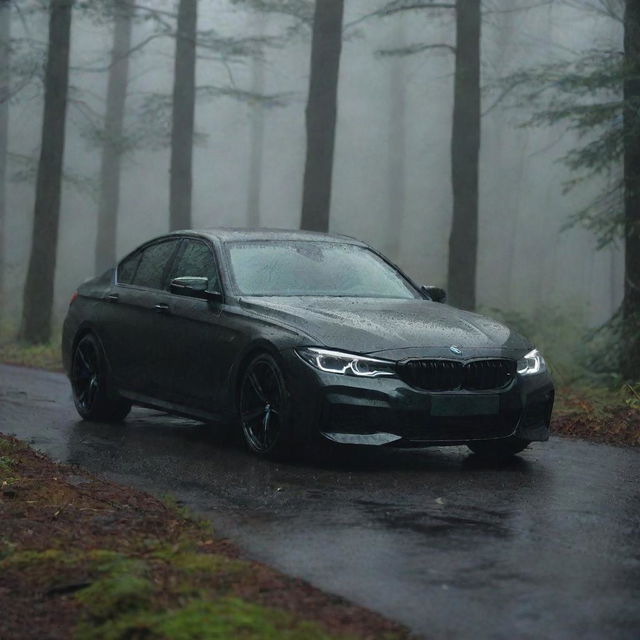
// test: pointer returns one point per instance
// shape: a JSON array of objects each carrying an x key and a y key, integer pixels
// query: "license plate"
[{"x": 464, "y": 405}]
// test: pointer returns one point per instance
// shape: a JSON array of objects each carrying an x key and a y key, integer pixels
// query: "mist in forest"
[{"x": 392, "y": 164}]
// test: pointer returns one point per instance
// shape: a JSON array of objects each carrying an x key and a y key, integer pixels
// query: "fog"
[{"x": 387, "y": 175}]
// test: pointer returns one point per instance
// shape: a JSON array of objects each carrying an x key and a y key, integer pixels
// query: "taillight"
[{"x": 74, "y": 295}]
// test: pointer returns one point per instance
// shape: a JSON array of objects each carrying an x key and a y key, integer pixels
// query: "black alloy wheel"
[
  {"x": 89, "y": 382},
  {"x": 498, "y": 449},
  {"x": 264, "y": 408}
]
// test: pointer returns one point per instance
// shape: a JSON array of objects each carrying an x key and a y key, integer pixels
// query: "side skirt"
[{"x": 141, "y": 400}]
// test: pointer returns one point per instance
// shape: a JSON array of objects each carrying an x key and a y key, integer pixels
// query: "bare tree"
[
  {"x": 38, "y": 290},
  {"x": 5, "y": 49},
  {"x": 184, "y": 96},
  {"x": 113, "y": 135},
  {"x": 321, "y": 113}
]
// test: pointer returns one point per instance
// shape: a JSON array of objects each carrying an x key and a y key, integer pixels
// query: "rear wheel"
[
  {"x": 264, "y": 408},
  {"x": 499, "y": 449},
  {"x": 90, "y": 384}
]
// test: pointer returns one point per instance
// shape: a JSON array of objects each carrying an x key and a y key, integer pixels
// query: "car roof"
[{"x": 229, "y": 234}]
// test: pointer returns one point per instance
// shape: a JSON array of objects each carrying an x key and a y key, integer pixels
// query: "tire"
[
  {"x": 90, "y": 384},
  {"x": 499, "y": 449},
  {"x": 265, "y": 409}
]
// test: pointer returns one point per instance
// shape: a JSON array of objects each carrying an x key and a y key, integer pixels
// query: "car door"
[
  {"x": 197, "y": 332},
  {"x": 134, "y": 328}
]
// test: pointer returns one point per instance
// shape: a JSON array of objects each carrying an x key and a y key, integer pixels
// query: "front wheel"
[
  {"x": 89, "y": 381},
  {"x": 264, "y": 408},
  {"x": 498, "y": 449}
]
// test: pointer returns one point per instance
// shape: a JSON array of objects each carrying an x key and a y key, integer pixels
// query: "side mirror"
[
  {"x": 193, "y": 287},
  {"x": 434, "y": 293}
]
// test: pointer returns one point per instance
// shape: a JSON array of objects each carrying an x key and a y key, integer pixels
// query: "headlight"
[
  {"x": 531, "y": 364},
  {"x": 346, "y": 363}
]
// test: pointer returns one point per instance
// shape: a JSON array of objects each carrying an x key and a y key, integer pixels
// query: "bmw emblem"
[{"x": 456, "y": 350}]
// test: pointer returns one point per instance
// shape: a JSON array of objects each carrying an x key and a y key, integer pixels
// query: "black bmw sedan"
[{"x": 296, "y": 336}]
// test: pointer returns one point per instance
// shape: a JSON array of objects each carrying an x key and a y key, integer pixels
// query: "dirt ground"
[{"x": 598, "y": 415}]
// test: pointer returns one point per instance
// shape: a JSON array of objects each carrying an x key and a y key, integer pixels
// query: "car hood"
[{"x": 389, "y": 328}]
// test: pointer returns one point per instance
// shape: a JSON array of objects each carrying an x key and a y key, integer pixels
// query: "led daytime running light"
[
  {"x": 346, "y": 363},
  {"x": 532, "y": 364}
]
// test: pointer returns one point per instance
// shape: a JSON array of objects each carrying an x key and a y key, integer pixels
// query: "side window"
[
  {"x": 153, "y": 263},
  {"x": 197, "y": 261},
  {"x": 127, "y": 268}
]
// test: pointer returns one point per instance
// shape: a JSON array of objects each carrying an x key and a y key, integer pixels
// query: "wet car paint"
[
  {"x": 543, "y": 547},
  {"x": 189, "y": 359}
]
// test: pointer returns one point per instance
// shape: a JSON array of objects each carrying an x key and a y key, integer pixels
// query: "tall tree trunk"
[
  {"x": 184, "y": 99},
  {"x": 465, "y": 151},
  {"x": 38, "y": 290},
  {"x": 322, "y": 108},
  {"x": 631, "y": 304},
  {"x": 113, "y": 137},
  {"x": 397, "y": 147},
  {"x": 256, "y": 152},
  {"x": 5, "y": 36}
]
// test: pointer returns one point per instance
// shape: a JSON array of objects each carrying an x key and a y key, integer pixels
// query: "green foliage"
[
  {"x": 203, "y": 619},
  {"x": 26, "y": 69},
  {"x": 184, "y": 513},
  {"x": 228, "y": 49},
  {"x": 6, "y": 466},
  {"x": 300, "y": 11},
  {"x": 631, "y": 394},
  {"x": 123, "y": 588},
  {"x": 23, "y": 559},
  {"x": 154, "y": 114},
  {"x": 575, "y": 353},
  {"x": 26, "y": 170},
  {"x": 586, "y": 95},
  {"x": 124, "y": 602},
  {"x": 8, "y": 446}
]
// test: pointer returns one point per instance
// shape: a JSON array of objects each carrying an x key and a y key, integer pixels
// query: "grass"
[{"x": 41, "y": 356}]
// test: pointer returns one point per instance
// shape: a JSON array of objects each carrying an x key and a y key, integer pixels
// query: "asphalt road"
[{"x": 545, "y": 547}]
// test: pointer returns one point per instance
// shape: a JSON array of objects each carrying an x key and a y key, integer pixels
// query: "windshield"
[{"x": 308, "y": 268}]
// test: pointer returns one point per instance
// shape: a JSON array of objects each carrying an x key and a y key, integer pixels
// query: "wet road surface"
[{"x": 547, "y": 546}]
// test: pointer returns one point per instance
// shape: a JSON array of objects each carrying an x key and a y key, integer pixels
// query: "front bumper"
[{"x": 384, "y": 410}]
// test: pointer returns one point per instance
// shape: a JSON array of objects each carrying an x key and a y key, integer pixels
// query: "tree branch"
[
  {"x": 413, "y": 49},
  {"x": 400, "y": 5}
]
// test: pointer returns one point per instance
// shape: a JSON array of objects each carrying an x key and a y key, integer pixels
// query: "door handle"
[
  {"x": 113, "y": 297},
  {"x": 162, "y": 308}
]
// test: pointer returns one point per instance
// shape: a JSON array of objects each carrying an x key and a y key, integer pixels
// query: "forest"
[{"x": 491, "y": 147}]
